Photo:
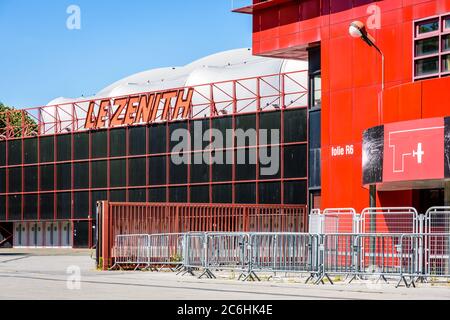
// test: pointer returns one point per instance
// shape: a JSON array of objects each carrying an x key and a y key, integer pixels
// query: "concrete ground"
[{"x": 53, "y": 274}]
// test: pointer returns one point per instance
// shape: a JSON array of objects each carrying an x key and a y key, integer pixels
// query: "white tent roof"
[{"x": 227, "y": 65}]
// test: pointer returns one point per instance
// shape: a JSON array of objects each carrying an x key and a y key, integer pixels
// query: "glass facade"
[{"x": 62, "y": 176}]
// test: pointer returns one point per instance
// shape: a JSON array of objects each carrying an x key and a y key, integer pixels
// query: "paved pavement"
[{"x": 52, "y": 274}]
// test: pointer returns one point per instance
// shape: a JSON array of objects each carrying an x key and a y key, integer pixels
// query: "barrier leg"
[
  {"x": 322, "y": 277},
  {"x": 208, "y": 274},
  {"x": 252, "y": 276},
  {"x": 383, "y": 278}
]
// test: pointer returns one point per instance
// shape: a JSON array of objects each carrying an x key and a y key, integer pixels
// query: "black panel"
[
  {"x": 295, "y": 192},
  {"x": 81, "y": 146},
  {"x": 81, "y": 234},
  {"x": 14, "y": 152},
  {"x": 97, "y": 196},
  {"x": 314, "y": 149},
  {"x": 15, "y": 207},
  {"x": 30, "y": 151},
  {"x": 157, "y": 138},
  {"x": 270, "y": 121},
  {"x": 81, "y": 175},
  {"x": 118, "y": 173},
  {"x": 99, "y": 144},
  {"x": 199, "y": 173},
  {"x": 271, "y": 168},
  {"x": 247, "y": 123},
  {"x": 172, "y": 128},
  {"x": 178, "y": 194},
  {"x": 157, "y": 167},
  {"x": 64, "y": 176},
  {"x": 15, "y": 179},
  {"x": 46, "y": 206},
  {"x": 222, "y": 124},
  {"x": 30, "y": 207},
  {"x": 64, "y": 147},
  {"x": 47, "y": 177},
  {"x": 270, "y": 193},
  {"x": 118, "y": 195},
  {"x": 3, "y": 180},
  {"x": 314, "y": 60},
  {"x": 64, "y": 205},
  {"x": 245, "y": 167},
  {"x": 295, "y": 161},
  {"x": 200, "y": 194},
  {"x": 137, "y": 140},
  {"x": 295, "y": 125},
  {"x": 373, "y": 153},
  {"x": 224, "y": 171},
  {"x": 118, "y": 142},
  {"x": 245, "y": 193},
  {"x": 157, "y": 195},
  {"x": 81, "y": 205},
  {"x": 315, "y": 168},
  {"x": 137, "y": 172},
  {"x": 315, "y": 129},
  {"x": 137, "y": 195},
  {"x": 197, "y": 130},
  {"x": 99, "y": 174},
  {"x": 2, "y": 207},
  {"x": 2, "y": 153},
  {"x": 47, "y": 149},
  {"x": 222, "y": 193},
  {"x": 178, "y": 173},
  {"x": 30, "y": 179}
]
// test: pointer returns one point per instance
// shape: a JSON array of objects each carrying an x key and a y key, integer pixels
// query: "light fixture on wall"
[{"x": 357, "y": 29}]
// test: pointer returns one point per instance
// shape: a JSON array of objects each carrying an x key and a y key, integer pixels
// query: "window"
[
  {"x": 429, "y": 66},
  {"x": 427, "y": 46},
  {"x": 445, "y": 63},
  {"x": 431, "y": 42},
  {"x": 316, "y": 91},
  {"x": 427, "y": 26},
  {"x": 446, "y": 23}
]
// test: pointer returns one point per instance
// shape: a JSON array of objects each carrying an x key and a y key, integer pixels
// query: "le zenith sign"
[{"x": 139, "y": 109}]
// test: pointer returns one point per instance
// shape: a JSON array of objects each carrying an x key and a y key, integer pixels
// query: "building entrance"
[{"x": 427, "y": 198}]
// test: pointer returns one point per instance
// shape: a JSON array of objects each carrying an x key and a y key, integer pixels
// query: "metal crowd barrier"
[
  {"x": 437, "y": 255},
  {"x": 284, "y": 252},
  {"x": 406, "y": 258},
  {"x": 148, "y": 251},
  {"x": 131, "y": 250}
]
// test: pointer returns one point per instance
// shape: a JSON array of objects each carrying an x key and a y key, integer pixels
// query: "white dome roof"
[
  {"x": 224, "y": 66},
  {"x": 227, "y": 65}
]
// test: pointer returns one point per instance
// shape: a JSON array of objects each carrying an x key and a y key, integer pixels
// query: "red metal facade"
[{"x": 351, "y": 78}]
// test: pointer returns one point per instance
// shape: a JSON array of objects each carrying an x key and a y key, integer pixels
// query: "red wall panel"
[{"x": 351, "y": 80}]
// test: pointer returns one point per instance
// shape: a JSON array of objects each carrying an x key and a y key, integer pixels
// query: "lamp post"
[{"x": 357, "y": 29}]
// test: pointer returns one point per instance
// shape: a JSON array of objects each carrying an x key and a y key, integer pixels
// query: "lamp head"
[{"x": 356, "y": 29}]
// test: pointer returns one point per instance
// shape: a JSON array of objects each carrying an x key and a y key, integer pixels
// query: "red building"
[{"x": 406, "y": 160}]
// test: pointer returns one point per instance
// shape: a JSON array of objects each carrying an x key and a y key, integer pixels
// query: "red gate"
[{"x": 150, "y": 218}]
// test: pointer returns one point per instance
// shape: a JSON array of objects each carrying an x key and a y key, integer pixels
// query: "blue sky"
[{"x": 41, "y": 59}]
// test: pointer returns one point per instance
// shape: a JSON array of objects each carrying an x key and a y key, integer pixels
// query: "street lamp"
[{"x": 357, "y": 29}]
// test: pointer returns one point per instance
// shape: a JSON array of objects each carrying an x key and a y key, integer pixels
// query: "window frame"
[{"x": 441, "y": 33}]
